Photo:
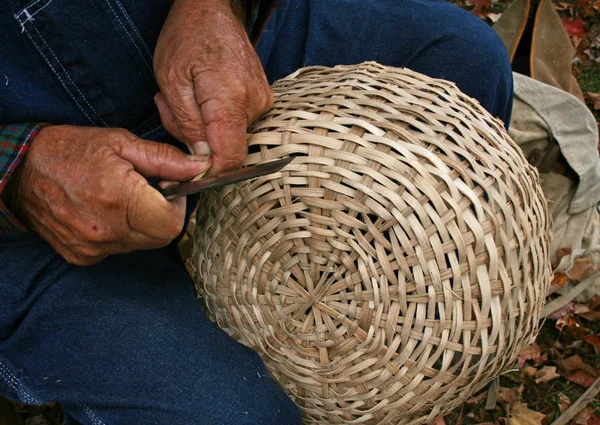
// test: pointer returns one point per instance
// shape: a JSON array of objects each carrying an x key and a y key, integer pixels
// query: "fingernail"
[
  {"x": 202, "y": 148},
  {"x": 199, "y": 158},
  {"x": 157, "y": 101},
  {"x": 199, "y": 176},
  {"x": 165, "y": 184}
]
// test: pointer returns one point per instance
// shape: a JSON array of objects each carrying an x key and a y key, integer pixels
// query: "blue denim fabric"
[
  {"x": 125, "y": 341},
  {"x": 433, "y": 37}
]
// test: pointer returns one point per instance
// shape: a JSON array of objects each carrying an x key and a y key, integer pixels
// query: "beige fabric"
[
  {"x": 581, "y": 230},
  {"x": 547, "y": 122},
  {"x": 545, "y": 116}
]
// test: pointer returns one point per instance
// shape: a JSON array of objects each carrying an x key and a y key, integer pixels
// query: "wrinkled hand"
[
  {"x": 82, "y": 189},
  {"x": 213, "y": 85}
]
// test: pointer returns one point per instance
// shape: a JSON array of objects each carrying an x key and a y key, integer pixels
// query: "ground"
[{"x": 553, "y": 373}]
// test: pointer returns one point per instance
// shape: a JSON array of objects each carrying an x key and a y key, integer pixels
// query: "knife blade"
[{"x": 229, "y": 177}]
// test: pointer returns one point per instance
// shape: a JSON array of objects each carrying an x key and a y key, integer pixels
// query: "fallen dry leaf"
[
  {"x": 586, "y": 417},
  {"x": 593, "y": 340},
  {"x": 37, "y": 420},
  {"x": 563, "y": 402},
  {"x": 529, "y": 371},
  {"x": 437, "y": 421},
  {"x": 582, "y": 266},
  {"x": 560, "y": 6},
  {"x": 520, "y": 414},
  {"x": 477, "y": 399},
  {"x": 574, "y": 27},
  {"x": 563, "y": 311},
  {"x": 573, "y": 332},
  {"x": 594, "y": 303},
  {"x": 560, "y": 253},
  {"x": 559, "y": 279},
  {"x": 574, "y": 363},
  {"x": 567, "y": 320},
  {"x": 481, "y": 7},
  {"x": 532, "y": 352},
  {"x": 494, "y": 16},
  {"x": 591, "y": 316},
  {"x": 546, "y": 374},
  {"x": 508, "y": 396},
  {"x": 581, "y": 309},
  {"x": 579, "y": 377}
]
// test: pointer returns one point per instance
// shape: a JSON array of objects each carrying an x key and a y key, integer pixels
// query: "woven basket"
[{"x": 397, "y": 265}]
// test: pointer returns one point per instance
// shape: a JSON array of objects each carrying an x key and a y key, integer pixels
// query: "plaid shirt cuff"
[{"x": 14, "y": 140}]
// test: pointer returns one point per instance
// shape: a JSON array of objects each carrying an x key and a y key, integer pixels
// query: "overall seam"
[
  {"x": 68, "y": 76},
  {"x": 12, "y": 381},
  {"x": 134, "y": 28},
  {"x": 30, "y": 16},
  {"x": 95, "y": 419},
  {"x": 24, "y": 9},
  {"x": 58, "y": 75},
  {"x": 129, "y": 35},
  {"x": 154, "y": 130}
]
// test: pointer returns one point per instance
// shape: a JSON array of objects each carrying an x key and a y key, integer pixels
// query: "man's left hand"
[{"x": 212, "y": 82}]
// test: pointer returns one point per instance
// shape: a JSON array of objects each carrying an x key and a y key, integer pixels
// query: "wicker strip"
[{"x": 397, "y": 265}]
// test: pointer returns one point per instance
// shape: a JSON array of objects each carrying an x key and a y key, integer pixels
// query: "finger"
[
  {"x": 153, "y": 159},
  {"x": 181, "y": 101},
  {"x": 226, "y": 131},
  {"x": 168, "y": 119},
  {"x": 70, "y": 253},
  {"x": 154, "y": 220}
]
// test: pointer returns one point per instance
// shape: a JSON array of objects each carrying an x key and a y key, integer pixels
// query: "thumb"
[{"x": 167, "y": 162}]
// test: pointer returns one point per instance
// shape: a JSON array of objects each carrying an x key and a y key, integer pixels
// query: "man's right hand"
[{"x": 83, "y": 190}]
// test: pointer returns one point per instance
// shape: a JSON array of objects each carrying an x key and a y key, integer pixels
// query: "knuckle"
[
  {"x": 131, "y": 203},
  {"x": 167, "y": 74},
  {"x": 85, "y": 251},
  {"x": 269, "y": 99},
  {"x": 164, "y": 151}
]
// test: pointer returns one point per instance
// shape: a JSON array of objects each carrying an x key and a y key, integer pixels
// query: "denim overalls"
[{"x": 125, "y": 341}]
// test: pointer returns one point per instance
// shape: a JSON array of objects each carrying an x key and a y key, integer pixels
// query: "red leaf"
[
  {"x": 582, "y": 268},
  {"x": 574, "y": 27},
  {"x": 560, "y": 279},
  {"x": 593, "y": 340},
  {"x": 579, "y": 377},
  {"x": 481, "y": 7},
  {"x": 594, "y": 303}
]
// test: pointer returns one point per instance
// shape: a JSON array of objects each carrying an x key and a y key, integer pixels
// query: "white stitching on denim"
[
  {"x": 30, "y": 16},
  {"x": 135, "y": 29},
  {"x": 12, "y": 381},
  {"x": 57, "y": 74},
  {"x": 154, "y": 130},
  {"x": 129, "y": 35},
  {"x": 92, "y": 415},
  {"x": 67, "y": 74},
  {"x": 28, "y": 7}
]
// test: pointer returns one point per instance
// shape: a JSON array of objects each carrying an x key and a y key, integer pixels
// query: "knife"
[{"x": 229, "y": 177}]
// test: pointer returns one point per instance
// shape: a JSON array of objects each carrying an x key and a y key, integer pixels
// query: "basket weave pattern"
[{"x": 397, "y": 265}]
